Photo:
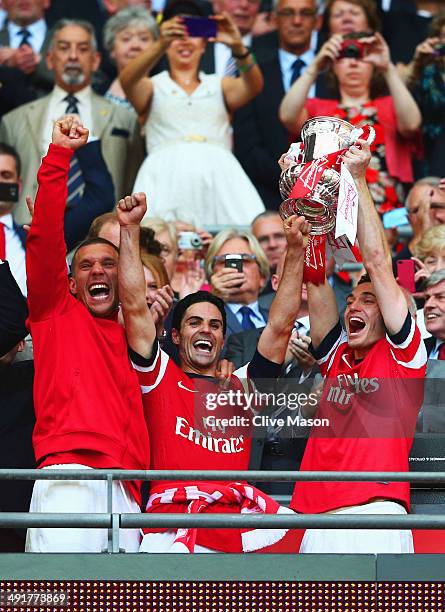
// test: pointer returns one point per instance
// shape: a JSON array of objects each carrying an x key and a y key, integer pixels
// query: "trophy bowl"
[{"x": 321, "y": 136}]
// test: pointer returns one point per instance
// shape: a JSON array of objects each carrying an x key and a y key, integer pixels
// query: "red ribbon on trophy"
[{"x": 341, "y": 242}]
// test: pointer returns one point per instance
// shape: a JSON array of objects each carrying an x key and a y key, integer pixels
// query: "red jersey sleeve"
[
  {"x": 326, "y": 351},
  {"x": 150, "y": 371},
  {"x": 46, "y": 269},
  {"x": 407, "y": 347}
]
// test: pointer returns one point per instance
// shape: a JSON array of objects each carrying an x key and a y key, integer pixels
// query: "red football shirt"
[
  {"x": 176, "y": 411},
  {"x": 371, "y": 406}
]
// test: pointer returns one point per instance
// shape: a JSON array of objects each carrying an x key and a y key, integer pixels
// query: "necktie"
[
  {"x": 441, "y": 354},
  {"x": 297, "y": 67},
  {"x": 71, "y": 104},
  {"x": 26, "y": 35},
  {"x": 246, "y": 322},
  {"x": 2, "y": 242},
  {"x": 76, "y": 184}
]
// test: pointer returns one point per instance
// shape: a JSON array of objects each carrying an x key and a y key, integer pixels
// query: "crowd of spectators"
[{"x": 198, "y": 125}]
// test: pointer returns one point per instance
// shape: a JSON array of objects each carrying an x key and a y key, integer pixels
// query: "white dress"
[{"x": 190, "y": 172}]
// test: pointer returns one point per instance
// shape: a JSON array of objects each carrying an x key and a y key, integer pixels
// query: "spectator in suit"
[
  {"x": 259, "y": 137},
  {"x": 434, "y": 313},
  {"x": 16, "y": 406},
  {"x": 24, "y": 41},
  {"x": 240, "y": 290},
  {"x": 97, "y": 197},
  {"x": 73, "y": 58},
  {"x": 216, "y": 58}
]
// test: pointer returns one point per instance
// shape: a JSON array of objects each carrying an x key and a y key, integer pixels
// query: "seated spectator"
[
  {"x": 187, "y": 125},
  {"x": 359, "y": 80},
  {"x": 127, "y": 34},
  {"x": 425, "y": 76},
  {"x": 240, "y": 286},
  {"x": 73, "y": 58},
  {"x": 24, "y": 41},
  {"x": 98, "y": 196}
]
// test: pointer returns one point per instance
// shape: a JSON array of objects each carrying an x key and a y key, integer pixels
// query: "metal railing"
[{"x": 115, "y": 521}]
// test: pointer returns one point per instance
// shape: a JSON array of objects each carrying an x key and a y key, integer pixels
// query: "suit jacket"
[
  {"x": 116, "y": 127},
  {"x": 234, "y": 326},
  {"x": 259, "y": 136},
  {"x": 13, "y": 311},
  {"x": 263, "y": 47},
  {"x": 42, "y": 80}
]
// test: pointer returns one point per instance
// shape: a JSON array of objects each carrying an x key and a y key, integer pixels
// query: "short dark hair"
[
  {"x": 88, "y": 242},
  {"x": 197, "y": 298},
  {"x": 369, "y": 7},
  {"x": 364, "y": 279},
  {"x": 6, "y": 149},
  {"x": 182, "y": 7}
]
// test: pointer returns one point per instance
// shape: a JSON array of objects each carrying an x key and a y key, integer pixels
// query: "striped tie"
[{"x": 76, "y": 184}]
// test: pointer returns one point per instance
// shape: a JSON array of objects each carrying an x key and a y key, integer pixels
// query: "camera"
[
  {"x": 189, "y": 241},
  {"x": 352, "y": 49}
]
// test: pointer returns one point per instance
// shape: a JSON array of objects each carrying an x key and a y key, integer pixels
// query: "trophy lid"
[{"x": 324, "y": 135}]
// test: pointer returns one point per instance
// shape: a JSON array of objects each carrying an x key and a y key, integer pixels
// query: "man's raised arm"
[
  {"x": 373, "y": 244},
  {"x": 47, "y": 274},
  {"x": 283, "y": 311},
  {"x": 139, "y": 324}
]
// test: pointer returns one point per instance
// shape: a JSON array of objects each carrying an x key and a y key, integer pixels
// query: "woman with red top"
[{"x": 360, "y": 79}]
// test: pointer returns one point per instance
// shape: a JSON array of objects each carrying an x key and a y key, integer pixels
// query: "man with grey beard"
[{"x": 73, "y": 58}]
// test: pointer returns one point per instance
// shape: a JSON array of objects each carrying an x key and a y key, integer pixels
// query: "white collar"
[
  {"x": 35, "y": 28},
  {"x": 82, "y": 95},
  {"x": 7, "y": 221}
]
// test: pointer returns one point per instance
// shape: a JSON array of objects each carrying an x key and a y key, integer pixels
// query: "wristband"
[
  {"x": 243, "y": 68},
  {"x": 242, "y": 56}
]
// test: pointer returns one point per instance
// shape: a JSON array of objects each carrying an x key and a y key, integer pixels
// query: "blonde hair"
[
  {"x": 158, "y": 225},
  {"x": 432, "y": 241},
  {"x": 221, "y": 238},
  {"x": 156, "y": 267}
]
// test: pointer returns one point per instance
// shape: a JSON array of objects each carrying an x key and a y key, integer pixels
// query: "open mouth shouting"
[
  {"x": 355, "y": 326},
  {"x": 203, "y": 346},
  {"x": 99, "y": 292}
]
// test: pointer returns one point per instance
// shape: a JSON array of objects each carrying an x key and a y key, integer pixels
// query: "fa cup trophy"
[{"x": 312, "y": 184}]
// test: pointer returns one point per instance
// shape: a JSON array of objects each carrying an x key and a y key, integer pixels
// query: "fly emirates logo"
[
  {"x": 350, "y": 385},
  {"x": 215, "y": 445}
]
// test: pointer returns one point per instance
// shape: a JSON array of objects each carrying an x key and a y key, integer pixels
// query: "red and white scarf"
[{"x": 200, "y": 496}]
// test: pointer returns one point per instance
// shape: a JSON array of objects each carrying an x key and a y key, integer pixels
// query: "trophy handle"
[{"x": 367, "y": 133}]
